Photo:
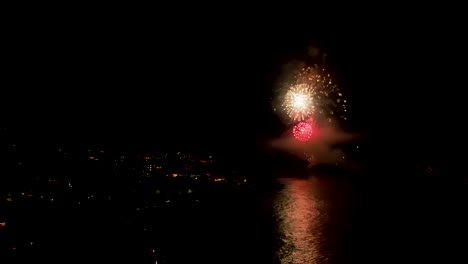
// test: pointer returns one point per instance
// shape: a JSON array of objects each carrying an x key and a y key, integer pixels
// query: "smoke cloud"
[{"x": 322, "y": 148}]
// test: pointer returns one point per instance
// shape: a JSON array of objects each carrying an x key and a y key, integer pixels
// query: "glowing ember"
[{"x": 303, "y": 131}]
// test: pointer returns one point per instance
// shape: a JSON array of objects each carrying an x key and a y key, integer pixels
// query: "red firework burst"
[{"x": 303, "y": 131}]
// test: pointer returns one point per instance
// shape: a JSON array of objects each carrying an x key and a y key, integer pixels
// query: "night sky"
[{"x": 208, "y": 85}]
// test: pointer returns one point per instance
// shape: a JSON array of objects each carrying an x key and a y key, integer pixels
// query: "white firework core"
[{"x": 299, "y": 102}]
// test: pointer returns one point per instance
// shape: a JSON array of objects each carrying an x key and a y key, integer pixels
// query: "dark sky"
[
  {"x": 127, "y": 85},
  {"x": 209, "y": 84}
]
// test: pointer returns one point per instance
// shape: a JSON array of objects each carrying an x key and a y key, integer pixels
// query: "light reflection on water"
[{"x": 301, "y": 215}]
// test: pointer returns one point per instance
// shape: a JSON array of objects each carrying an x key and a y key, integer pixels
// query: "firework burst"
[
  {"x": 313, "y": 94},
  {"x": 299, "y": 102},
  {"x": 303, "y": 131}
]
